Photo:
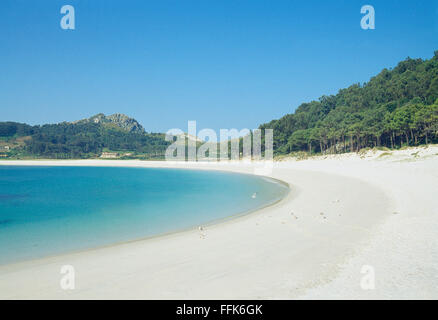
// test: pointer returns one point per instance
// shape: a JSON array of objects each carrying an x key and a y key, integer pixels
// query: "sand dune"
[{"x": 343, "y": 212}]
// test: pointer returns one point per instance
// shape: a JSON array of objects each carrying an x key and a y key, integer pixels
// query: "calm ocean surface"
[{"x": 51, "y": 210}]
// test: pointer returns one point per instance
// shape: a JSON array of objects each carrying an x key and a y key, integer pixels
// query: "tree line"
[
  {"x": 396, "y": 108},
  {"x": 81, "y": 140}
]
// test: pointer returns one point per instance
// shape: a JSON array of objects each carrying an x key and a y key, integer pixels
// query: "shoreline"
[
  {"x": 308, "y": 245},
  {"x": 210, "y": 224}
]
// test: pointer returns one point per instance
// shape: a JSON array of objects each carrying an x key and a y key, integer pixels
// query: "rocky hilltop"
[{"x": 118, "y": 119}]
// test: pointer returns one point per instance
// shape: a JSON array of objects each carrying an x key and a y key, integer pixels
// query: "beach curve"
[{"x": 283, "y": 251}]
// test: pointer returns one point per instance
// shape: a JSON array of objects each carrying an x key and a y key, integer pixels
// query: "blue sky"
[{"x": 225, "y": 64}]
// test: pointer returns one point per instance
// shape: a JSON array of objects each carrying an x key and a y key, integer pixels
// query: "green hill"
[
  {"x": 87, "y": 138},
  {"x": 395, "y": 108}
]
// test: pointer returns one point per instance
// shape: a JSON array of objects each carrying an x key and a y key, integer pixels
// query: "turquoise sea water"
[{"x": 51, "y": 210}]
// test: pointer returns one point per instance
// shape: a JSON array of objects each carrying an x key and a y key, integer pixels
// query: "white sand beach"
[{"x": 343, "y": 212}]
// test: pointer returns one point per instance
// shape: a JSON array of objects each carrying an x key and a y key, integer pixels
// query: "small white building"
[{"x": 109, "y": 155}]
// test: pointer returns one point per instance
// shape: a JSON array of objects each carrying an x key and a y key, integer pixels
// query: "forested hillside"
[
  {"x": 83, "y": 139},
  {"x": 398, "y": 107}
]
